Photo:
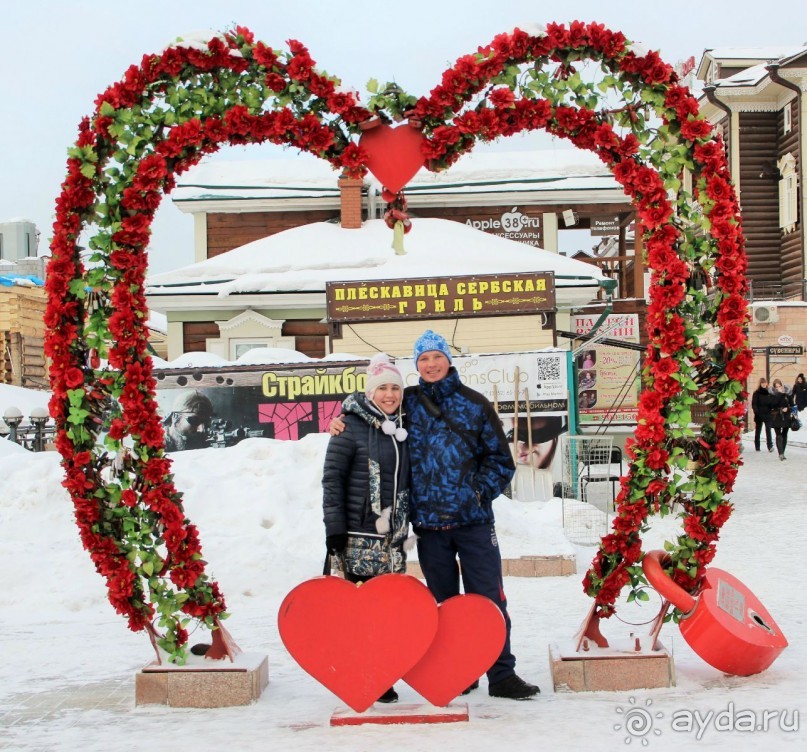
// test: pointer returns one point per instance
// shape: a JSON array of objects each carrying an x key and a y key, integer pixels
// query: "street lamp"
[
  {"x": 12, "y": 417},
  {"x": 39, "y": 416}
]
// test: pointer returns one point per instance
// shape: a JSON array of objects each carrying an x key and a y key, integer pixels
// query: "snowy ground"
[{"x": 257, "y": 506}]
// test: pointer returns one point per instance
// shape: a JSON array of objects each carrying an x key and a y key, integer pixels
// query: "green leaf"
[{"x": 77, "y": 288}]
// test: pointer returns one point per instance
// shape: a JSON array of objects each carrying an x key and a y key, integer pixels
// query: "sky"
[
  {"x": 61, "y": 642},
  {"x": 56, "y": 57}
]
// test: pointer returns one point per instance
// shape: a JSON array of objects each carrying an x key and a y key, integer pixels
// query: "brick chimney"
[{"x": 350, "y": 192}]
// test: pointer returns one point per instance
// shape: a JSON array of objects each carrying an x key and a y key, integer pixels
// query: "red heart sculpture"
[
  {"x": 470, "y": 636},
  {"x": 394, "y": 155},
  {"x": 358, "y": 640}
]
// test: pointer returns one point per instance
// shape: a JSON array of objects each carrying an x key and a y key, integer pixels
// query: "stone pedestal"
[
  {"x": 389, "y": 714},
  {"x": 203, "y": 683},
  {"x": 617, "y": 668}
]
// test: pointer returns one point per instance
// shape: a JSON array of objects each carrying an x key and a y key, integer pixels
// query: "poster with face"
[
  {"x": 608, "y": 380},
  {"x": 530, "y": 393},
  {"x": 221, "y": 406}
]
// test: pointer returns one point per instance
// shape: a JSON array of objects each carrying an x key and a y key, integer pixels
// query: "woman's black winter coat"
[
  {"x": 346, "y": 476},
  {"x": 780, "y": 410},
  {"x": 761, "y": 404}
]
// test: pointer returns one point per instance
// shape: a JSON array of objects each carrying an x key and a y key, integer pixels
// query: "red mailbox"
[{"x": 725, "y": 624}]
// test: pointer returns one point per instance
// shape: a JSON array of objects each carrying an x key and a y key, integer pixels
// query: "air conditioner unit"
[{"x": 765, "y": 314}]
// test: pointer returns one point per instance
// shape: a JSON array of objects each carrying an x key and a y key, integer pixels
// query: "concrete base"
[
  {"x": 211, "y": 684},
  {"x": 616, "y": 668},
  {"x": 389, "y": 714},
  {"x": 526, "y": 566}
]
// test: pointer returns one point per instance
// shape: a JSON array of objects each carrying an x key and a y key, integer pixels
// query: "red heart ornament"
[
  {"x": 470, "y": 636},
  {"x": 394, "y": 155},
  {"x": 358, "y": 640}
]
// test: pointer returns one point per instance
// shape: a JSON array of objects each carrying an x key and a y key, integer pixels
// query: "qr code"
[{"x": 548, "y": 369}]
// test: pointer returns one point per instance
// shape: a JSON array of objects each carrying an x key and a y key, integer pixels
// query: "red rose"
[
  {"x": 73, "y": 377},
  {"x": 732, "y": 336},
  {"x": 693, "y": 129},
  {"x": 502, "y": 96}
]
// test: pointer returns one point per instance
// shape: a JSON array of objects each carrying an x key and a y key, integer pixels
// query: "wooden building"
[
  {"x": 528, "y": 197},
  {"x": 756, "y": 96},
  {"x": 22, "y": 336}
]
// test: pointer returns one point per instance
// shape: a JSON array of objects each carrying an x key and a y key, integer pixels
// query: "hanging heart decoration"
[{"x": 394, "y": 155}]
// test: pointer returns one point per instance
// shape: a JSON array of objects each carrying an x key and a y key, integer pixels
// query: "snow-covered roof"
[
  {"x": 478, "y": 172},
  {"x": 748, "y": 77},
  {"x": 255, "y": 356},
  {"x": 755, "y": 58},
  {"x": 303, "y": 259},
  {"x": 21, "y": 280},
  {"x": 768, "y": 52},
  {"x": 157, "y": 322}
]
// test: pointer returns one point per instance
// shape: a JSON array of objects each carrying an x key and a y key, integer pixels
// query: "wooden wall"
[
  {"x": 759, "y": 195},
  {"x": 22, "y": 337},
  {"x": 479, "y": 335},
  {"x": 792, "y": 264},
  {"x": 310, "y": 335},
  {"x": 228, "y": 231}
]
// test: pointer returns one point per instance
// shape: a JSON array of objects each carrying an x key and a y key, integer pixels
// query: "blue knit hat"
[{"x": 429, "y": 341}]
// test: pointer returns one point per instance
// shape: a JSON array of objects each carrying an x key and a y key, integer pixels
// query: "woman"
[
  {"x": 365, "y": 482},
  {"x": 780, "y": 415},
  {"x": 800, "y": 392},
  {"x": 761, "y": 407}
]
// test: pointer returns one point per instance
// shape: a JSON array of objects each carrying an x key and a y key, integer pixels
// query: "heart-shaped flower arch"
[{"x": 187, "y": 101}]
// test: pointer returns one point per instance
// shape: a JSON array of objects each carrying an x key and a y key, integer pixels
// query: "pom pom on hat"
[
  {"x": 380, "y": 371},
  {"x": 429, "y": 341}
]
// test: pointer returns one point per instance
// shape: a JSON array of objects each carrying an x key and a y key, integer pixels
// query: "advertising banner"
[
  {"x": 608, "y": 377},
  {"x": 222, "y": 405}
]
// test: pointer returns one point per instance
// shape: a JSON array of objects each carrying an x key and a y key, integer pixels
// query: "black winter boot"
[
  {"x": 471, "y": 688},
  {"x": 389, "y": 696},
  {"x": 513, "y": 688}
]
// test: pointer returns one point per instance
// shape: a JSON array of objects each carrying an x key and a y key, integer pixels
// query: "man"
[
  {"x": 186, "y": 426},
  {"x": 460, "y": 463}
]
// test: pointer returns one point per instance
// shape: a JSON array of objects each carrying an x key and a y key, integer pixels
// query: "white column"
[
  {"x": 199, "y": 237},
  {"x": 175, "y": 340},
  {"x": 550, "y": 221}
]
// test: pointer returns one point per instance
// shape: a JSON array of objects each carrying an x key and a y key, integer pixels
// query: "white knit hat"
[{"x": 380, "y": 371}]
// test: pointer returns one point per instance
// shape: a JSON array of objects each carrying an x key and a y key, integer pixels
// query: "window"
[
  {"x": 238, "y": 347},
  {"x": 788, "y": 118},
  {"x": 788, "y": 193}
]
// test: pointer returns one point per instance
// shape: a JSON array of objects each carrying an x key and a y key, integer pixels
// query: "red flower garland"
[{"x": 123, "y": 486}]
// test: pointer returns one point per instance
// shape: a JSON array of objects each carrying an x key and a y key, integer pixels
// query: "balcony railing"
[{"x": 769, "y": 291}]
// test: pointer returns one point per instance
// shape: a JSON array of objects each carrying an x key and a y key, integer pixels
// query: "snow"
[
  {"x": 305, "y": 175},
  {"x": 260, "y": 355},
  {"x": 333, "y": 253},
  {"x": 771, "y": 53},
  {"x": 25, "y": 399},
  {"x": 257, "y": 506}
]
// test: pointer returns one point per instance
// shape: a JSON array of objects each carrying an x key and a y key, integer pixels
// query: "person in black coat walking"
[
  {"x": 365, "y": 482},
  {"x": 761, "y": 407},
  {"x": 800, "y": 393},
  {"x": 780, "y": 415}
]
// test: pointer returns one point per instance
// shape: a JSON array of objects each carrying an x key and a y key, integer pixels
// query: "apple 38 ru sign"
[{"x": 513, "y": 225}]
